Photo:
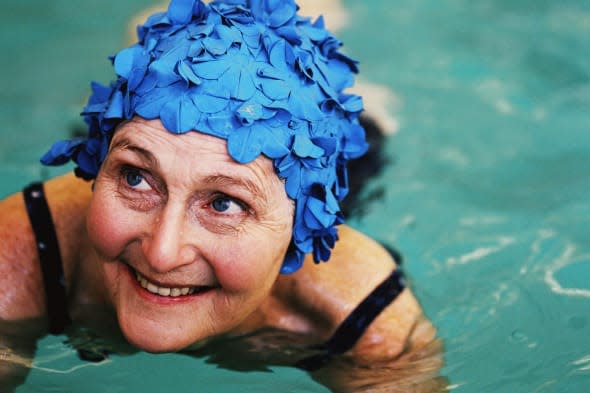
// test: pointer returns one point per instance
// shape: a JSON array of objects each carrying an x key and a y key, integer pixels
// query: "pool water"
[{"x": 487, "y": 190}]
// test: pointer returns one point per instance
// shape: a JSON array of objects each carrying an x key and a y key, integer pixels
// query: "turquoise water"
[{"x": 487, "y": 194}]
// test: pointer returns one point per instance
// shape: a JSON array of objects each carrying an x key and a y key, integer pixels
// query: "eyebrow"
[
  {"x": 224, "y": 180},
  {"x": 145, "y": 155},
  {"x": 218, "y": 179}
]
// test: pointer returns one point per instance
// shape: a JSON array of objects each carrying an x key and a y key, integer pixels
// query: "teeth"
[{"x": 163, "y": 291}]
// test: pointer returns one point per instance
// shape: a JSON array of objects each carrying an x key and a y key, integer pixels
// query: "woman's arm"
[
  {"x": 397, "y": 353},
  {"x": 321, "y": 296},
  {"x": 20, "y": 274}
]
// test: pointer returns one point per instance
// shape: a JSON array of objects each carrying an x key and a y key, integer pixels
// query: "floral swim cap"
[{"x": 254, "y": 73}]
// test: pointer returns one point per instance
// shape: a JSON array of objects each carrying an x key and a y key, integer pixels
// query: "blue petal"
[
  {"x": 293, "y": 184},
  {"x": 180, "y": 11},
  {"x": 245, "y": 144},
  {"x": 315, "y": 32},
  {"x": 61, "y": 152},
  {"x": 187, "y": 73},
  {"x": 148, "y": 83},
  {"x": 249, "y": 112},
  {"x": 100, "y": 93},
  {"x": 290, "y": 34},
  {"x": 212, "y": 69},
  {"x": 136, "y": 78},
  {"x": 277, "y": 55},
  {"x": 355, "y": 143},
  {"x": 216, "y": 46},
  {"x": 179, "y": 115},
  {"x": 302, "y": 104},
  {"x": 115, "y": 109},
  {"x": 285, "y": 164},
  {"x": 328, "y": 144},
  {"x": 197, "y": 52},
  {"x": 282, "y": 14},
  {"x": 210, "y": 99},
  {"x": 332, "y": 205},
  {"x": 125, "y": 59},
  {"x": 222, "y": 123},
  {"x": 230, "y": 35},
  {"x": 339, "y": 75},
  {"x": 159, "y": 19},
  {"x": 200, "y": 30},
  {"x": 239, "y": 82},
  {"x": 164, "y": 71},
  {"x": 316, "y": 216},
  {"x": 303, "y": 147},
  {"x": 275, "y": 142},
  {"x": 251, "y": 38},
  {"x": 352, "y": 103},
  {"x": 268, "y": 71},
  {"x": 150, "y": 105},
  {"x": 200, "y": 10},
  {"x": 275, "y": 89},
  {"x": 293, "y": 262},
  {"x": 88, "y": 163}
]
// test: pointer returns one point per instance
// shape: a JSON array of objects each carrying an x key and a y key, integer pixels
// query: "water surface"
[{"x": 486, "y": 194}]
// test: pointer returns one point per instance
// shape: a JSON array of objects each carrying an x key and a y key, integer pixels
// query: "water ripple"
[
  {"x": 481, "y": 252},
  {"x": 565, "y": 259},
  {"x": 584, "y": 362}
]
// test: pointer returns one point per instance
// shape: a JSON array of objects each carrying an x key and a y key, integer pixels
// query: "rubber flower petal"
[
  {"x": 181, "y": 11},
  {"x": 254, "y": 73}
]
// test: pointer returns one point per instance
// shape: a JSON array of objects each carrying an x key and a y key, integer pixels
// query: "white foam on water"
[
  {"x": 481, "y": 252},
  {"x": 565, "y": 259}
]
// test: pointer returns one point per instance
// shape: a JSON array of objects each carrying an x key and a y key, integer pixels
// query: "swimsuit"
[
  {"x": 49, "y": 257},
  {"x": 343, "y": 339},
  {"x": 353, "y": 327}
]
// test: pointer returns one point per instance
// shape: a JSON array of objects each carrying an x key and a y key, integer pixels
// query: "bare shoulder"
[
  {"x": 20, "y": 275},
  {"x": 332, "y": 290}
]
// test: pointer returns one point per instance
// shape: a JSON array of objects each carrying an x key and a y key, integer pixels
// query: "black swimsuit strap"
[
  {"x": 353, "y": 327},
  {"x": 49, "y": 257}
]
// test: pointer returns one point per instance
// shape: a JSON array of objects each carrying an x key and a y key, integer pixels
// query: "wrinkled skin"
[
  {"x": 180, "y": 212},
  {"x": 169, "y": 228}
]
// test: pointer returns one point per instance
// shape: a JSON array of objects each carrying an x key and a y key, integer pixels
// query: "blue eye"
[
  {"x": 224, "y": 204},
  {"x": 221, "y": 204},
  {"x": 133, "y": 178}
]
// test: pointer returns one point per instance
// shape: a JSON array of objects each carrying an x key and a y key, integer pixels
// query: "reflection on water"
[
  {"x": 486, "y": 195},
  {"x": 58, "y": 361}
]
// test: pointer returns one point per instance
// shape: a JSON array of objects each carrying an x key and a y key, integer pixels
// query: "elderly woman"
[{"x": 218, "y": 161}]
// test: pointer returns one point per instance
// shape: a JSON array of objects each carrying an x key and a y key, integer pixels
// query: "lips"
[{"x": 165, "y": 291}]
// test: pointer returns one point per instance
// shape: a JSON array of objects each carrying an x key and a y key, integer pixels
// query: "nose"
[{"x": 166, "y": 245}]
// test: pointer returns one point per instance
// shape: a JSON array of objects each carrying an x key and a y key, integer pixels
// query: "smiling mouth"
[{"x": 168, "y": 291}]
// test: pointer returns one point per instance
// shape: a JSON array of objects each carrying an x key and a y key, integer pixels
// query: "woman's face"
[{"x": 190, "y": 241}]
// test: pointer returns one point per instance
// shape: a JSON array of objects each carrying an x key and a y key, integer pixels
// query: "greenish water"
[{"x": 487, "y": 196}]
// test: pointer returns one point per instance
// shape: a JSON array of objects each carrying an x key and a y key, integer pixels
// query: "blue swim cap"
[{"x": 254, "y": 73}]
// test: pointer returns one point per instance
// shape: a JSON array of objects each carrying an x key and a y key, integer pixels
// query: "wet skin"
[{"x": 180, "y": 212}]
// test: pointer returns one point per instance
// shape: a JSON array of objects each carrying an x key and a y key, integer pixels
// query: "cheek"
[
  {"x": 251, "y": 262},
  {"x": 108, "y": 227}
]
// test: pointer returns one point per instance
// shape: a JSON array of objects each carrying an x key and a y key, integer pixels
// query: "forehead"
[{"x": 191, "y": 150}]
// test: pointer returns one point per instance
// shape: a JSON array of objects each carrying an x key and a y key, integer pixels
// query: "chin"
[
  {"x": 157, "y": 332},
  {"x": 153, "y": 339}
]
